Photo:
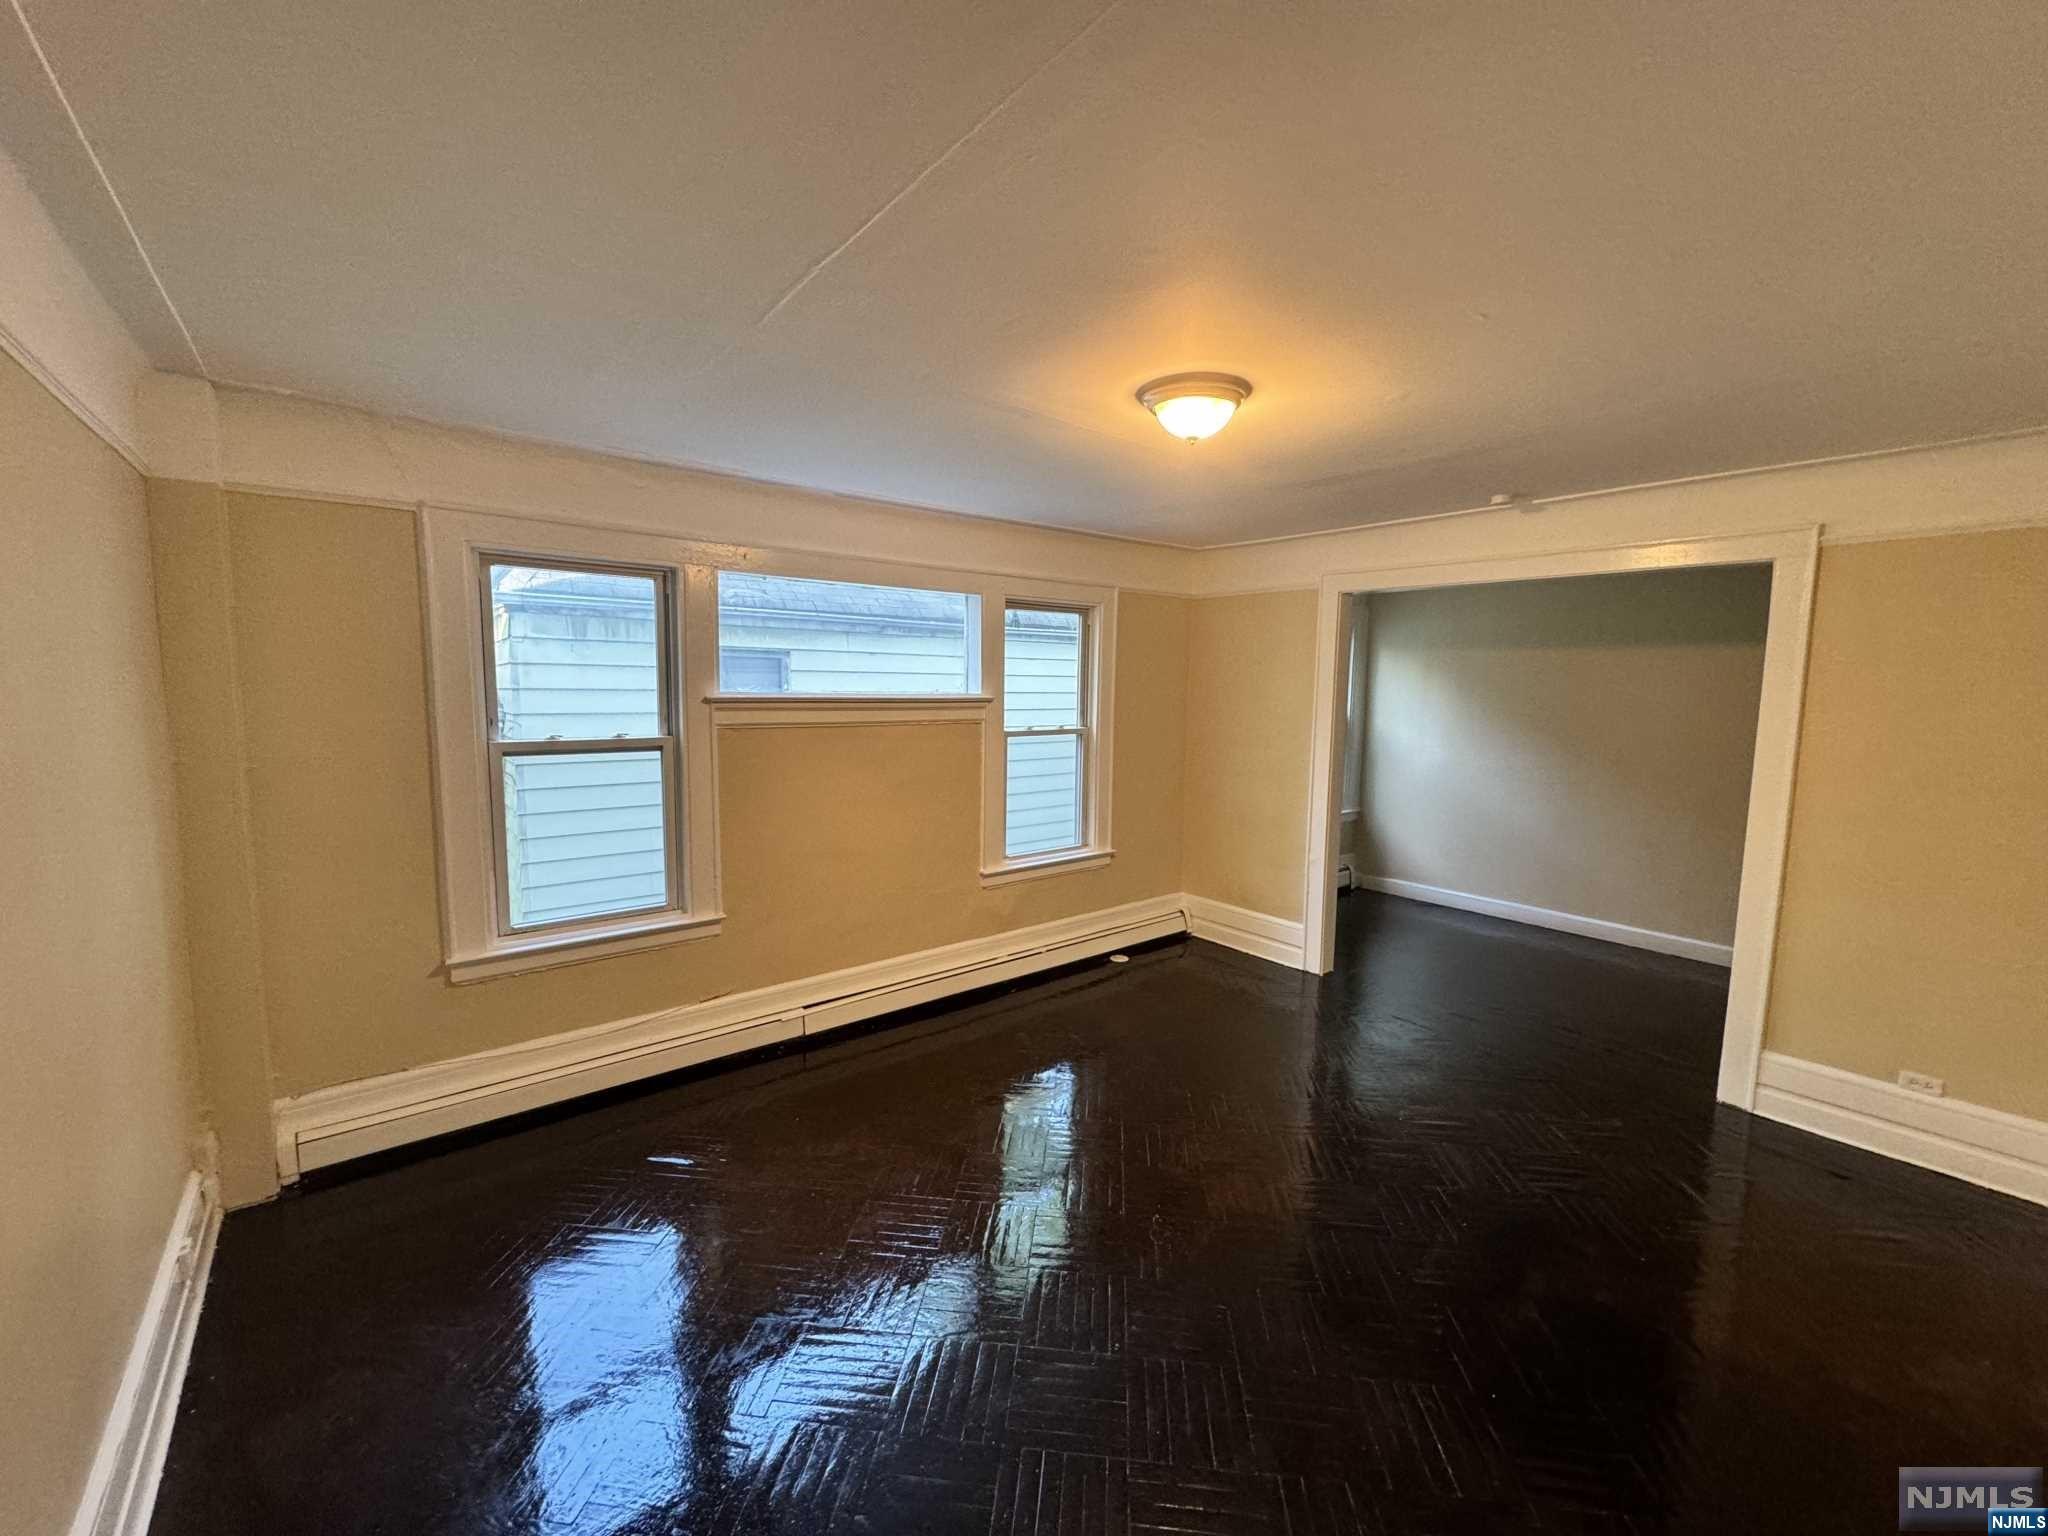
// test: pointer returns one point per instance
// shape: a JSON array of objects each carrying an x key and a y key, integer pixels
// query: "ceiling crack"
[
  {"x": 919, "y": 179},
  {"x": 64, "y": 101}
]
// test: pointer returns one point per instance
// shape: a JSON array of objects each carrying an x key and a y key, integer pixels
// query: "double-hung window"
[
  {"x": 582, "y": 741},
  {"x": 1048, "y": 741},
  {"x": 572, "y": 749},
  {"x": 1045, "y": 730}
]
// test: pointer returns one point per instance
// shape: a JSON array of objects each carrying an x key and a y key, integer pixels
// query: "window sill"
[
  {"x": 518, "y": 955},
  {"x": 731, "y": 710},
  {"x": 1069, "y": 862}
]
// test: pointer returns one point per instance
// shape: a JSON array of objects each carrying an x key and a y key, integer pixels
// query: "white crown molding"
[
  {"x": 332, "y": 1125},
  {"x": 272, "y": 444},
  {"x": 180, "y": 422},
  {"x": 1966, "y": 487},
  {"x": 1989, "y": 1147},
  {"x": 120, "y": 1490},
  {"x": 1661, "y": 943},
  {"x": 284, "y": 445},
  {"x": 54, "y": 322},
  {"x": 1252, "y": 933}
]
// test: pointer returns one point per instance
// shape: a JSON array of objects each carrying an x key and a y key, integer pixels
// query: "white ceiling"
[{"x": 925, "y": 250}]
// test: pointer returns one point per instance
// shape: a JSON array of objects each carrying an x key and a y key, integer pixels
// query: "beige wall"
[
  {"x": 1252, "y": 662},
  {"x": 96, "y": 1106},
  {"x": 1581, "y": 745},
  {"x": 840, "y": 845},
  {"x": 189, "y": 543},
  {"x": 1916, "y": 891},
  {"x": 325, "y": 617},
  {"x": 1914, "y": 930}
]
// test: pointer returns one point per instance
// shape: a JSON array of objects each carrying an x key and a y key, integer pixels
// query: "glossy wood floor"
[{"x": 1455, "y": 1241}]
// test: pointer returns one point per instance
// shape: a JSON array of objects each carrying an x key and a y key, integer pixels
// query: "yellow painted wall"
[
  {"x": 848, "y": 844},
  {"x": 97, "y": 1121},
  {"x": 1252, "y": 662},
  {"x": 1914, "y": 930},
  {"x": 840, "y": 844},
  {"x": 194, "y": 579}
]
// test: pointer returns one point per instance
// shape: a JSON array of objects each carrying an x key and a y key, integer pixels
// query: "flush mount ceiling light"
[{"x": 1193, "y": 406}]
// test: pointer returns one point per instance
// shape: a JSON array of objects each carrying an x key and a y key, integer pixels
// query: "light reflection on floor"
[
  {"x": 601, "y": 1325},
  {"x": 1455, "y": 1240}
]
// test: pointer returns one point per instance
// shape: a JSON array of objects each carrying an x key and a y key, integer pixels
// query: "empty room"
[
  {"x": 1572, "y": 755},
  {"x": 1103, "y": 768}
]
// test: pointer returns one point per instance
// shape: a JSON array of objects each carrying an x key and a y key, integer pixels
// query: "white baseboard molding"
[
  {"x": 1564, "y": 922},
  {"x": 120, "y": 1490},
  {"x": 2001, "y": 1151},
  {"x": 373, "y": 1114},
  {"x": 1255, "y": 933}
]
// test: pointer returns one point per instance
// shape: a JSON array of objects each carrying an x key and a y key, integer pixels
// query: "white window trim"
[
  {"x": 1356, "y": 619},
  {"x": 741, "y": 711},
  {"x": 1096, "y": 849},
  {"x": 452, "y": 544}
]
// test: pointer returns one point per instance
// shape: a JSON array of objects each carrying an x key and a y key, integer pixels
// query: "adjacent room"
[
  {"x": 1572, "y": 755},
  {"x": 1111, "y": 767}
]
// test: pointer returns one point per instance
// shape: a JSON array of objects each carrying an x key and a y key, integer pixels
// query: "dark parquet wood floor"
[{"x": 1455, "y": 1240}]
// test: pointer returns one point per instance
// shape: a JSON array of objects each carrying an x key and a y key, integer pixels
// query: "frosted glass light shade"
[
  {"x": 1193, "y": 406},
  {"x": 1195, "y": 417}
]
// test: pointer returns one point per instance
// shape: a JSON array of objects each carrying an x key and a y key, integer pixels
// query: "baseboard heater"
[{"x": 350, "y": 1120}]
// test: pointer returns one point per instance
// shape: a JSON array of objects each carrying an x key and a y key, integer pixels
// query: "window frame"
[
  {"x": 667, "y": 742},
  {"x": 1357, "y": 660},
  {"x": 1082, "y": 733},
  {"x": 1097, "y": 608},
  {"x": 468, "y": 815},
  {"x": 456, "y": 549}
]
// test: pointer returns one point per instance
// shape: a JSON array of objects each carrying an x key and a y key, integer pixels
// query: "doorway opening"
[{"x": 1537, "y": 829}]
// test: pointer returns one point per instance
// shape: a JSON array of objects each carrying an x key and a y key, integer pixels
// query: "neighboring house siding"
[
  {"x": 585, "y": 835},
  {"x": 840, "y": 637},
  {"x": 848, "y": 659}
]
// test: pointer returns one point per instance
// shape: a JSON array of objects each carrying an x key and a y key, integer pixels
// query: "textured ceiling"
[{"x": 926, "y": 250}]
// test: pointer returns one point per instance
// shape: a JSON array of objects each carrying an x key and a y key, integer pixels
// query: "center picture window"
[{"x": 786, "y": 634}]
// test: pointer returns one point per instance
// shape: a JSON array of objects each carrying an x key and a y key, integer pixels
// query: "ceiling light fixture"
[{"x": 1193, "y": 406}]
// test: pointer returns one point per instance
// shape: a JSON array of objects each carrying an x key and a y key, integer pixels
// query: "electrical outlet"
[{"x": 1920, "y": 1082}]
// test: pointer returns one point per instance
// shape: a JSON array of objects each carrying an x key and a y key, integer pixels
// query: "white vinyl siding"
[
  {"x": 585, "y": 836},
  {"x": 1042, "y": 812},
  {"x": 784, "y": 634},
  {"x": 1044, "y": 729}
]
